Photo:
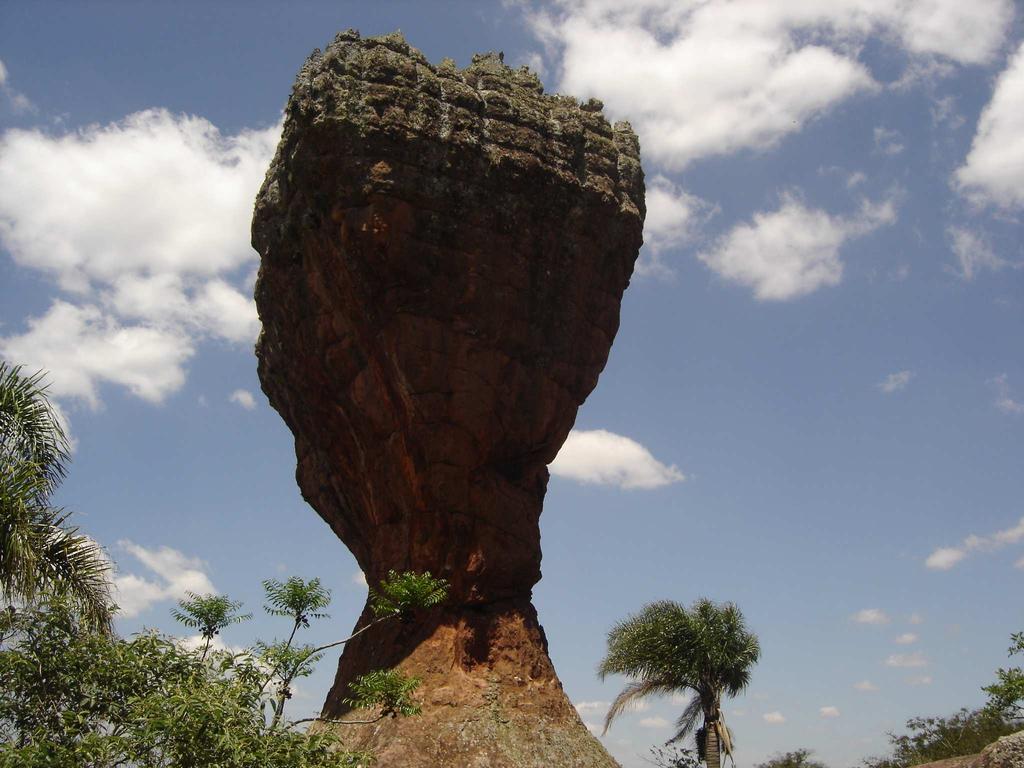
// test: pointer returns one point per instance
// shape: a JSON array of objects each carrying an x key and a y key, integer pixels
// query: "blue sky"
[{"x": 814, "y": 406}]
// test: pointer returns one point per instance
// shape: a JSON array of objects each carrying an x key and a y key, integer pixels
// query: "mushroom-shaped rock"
[{"x": 444, "y": 253}]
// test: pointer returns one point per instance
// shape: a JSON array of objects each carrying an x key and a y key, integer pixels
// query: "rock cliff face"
[{"x": 444, "y": 253}]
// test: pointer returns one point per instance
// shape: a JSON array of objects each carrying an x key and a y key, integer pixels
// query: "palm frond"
[
  {"x": 74, "y": 566},
  {"x": 632, "y": 693},
  {"x": 30, "y": 427},
  {"x": 687, "y": 721}
]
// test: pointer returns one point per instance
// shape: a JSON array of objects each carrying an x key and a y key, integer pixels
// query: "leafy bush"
[
  {"x": 70, "y": 696},
  {"x": 965, "y": 732},
  {"x": 798, "y": 758},
  {"x": 1006, "y": 695},
  {"x": 74, "y": 695}
]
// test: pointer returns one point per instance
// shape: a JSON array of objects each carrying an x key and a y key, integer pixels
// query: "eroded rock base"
[{"x": 490, "y": 695}]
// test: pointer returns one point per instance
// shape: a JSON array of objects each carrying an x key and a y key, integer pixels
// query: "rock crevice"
[{"x": 444, "y": 253}]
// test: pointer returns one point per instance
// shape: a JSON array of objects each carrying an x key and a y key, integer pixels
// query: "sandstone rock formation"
[
  {"x": 444, "y": 253},
  {"x": 1006, "y": 752}
]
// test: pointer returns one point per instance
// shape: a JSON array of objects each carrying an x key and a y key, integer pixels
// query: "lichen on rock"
[{"x": 444, "y": 253}]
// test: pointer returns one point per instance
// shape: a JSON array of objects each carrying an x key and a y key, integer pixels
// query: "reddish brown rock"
[{"x": 444, "y": 253}]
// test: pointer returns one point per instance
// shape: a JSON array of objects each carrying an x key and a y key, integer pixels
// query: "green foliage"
[
  {"x": 297, "y": 599},
  {"x": 288, "y": 662},
  {"x": 386, "y": 690},
  {"x": 798, "y": 758},
  {"x": 674, "y": 756},
  {"x": 666, "y": 648},
  {"x": 1006, "y": 695},
  {"x": 69, "y": 696},
  {"x": 965, "y": 732},
  {"x": 401, "y": 593},
  {"x": 208, "y": 613},
  {"x": 41, "y": 555}
]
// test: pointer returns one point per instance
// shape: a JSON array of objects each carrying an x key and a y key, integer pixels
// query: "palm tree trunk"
[{"x": 712, "y": 750}]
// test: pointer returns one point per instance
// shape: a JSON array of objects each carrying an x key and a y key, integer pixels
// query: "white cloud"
[
  {"x": 944, "y": 558},
  {"x": 587, "y": 707},
  {"x": 81, "y": 347},
  {"x": 993, "y": 172},
  {"x": 197, "y": 642},
  {"x": 920, "y": 680},
  {"x": 794, "y": 250},
  {"x": 906, "y": 660},
  {"x": 775, "y": 718},
  {"x": 907, "y": 638},
  {"x": 594, "y": 728},
  {"x": 148, "y": 216},
  {"x": 915, "y": 618},
  {"x": 245, "y": 399},
  {"x": 708, "y": 78},
  {"x": 674, "y": 218},
  {"x": 3, "y": 73},
  {"x": 604, "y": 458},
  {"x": 653, "y": 722},
  {"x": 1004, "y": 400},
  {"x": 973, "y": 254},
  {"x": 895, "y": 382},
  {"x": 888, "y": 141},
  {"x": 359, "y": 579},
  {"x": 1019, "y": 564},
  {"x": 829, "y": 712},
  {"x": 866, "y": 686},
  {"x": 870, "y": 616},
  {"x": 176, "y": 574}
]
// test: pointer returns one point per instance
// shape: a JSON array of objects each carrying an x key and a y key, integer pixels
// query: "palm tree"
[
  {"x": 41, "y": 555},
  {"x": 705, "y": 651}
]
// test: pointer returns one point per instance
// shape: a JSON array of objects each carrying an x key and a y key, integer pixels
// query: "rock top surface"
[{"x": 444, "y": 253}]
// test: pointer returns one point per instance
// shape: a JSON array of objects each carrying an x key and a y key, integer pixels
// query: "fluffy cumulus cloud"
[
  {"x": 149, "y": 218},
  {"x": 993, "y": 172},
  {"x": 774, "y": 718},
  {"x": 794, "y": 250},
  {"x": 944, "y": 558},
  {"x": 653, "y": 722},
  {"x": 907, "y": 638},
  {"x": 171, "y": 575},
  {"x": 870, "y": 616},
  {"x": 82, "y": 347},
  {"x": 604, "y": 458},
  {"x": 895, "y": 382},
  {"x": 829, "y": 712},
  {"x": 674, "y": 218},
  {"x": 865, "y": 686},
  {"x": 243, "y": 398},
  {"x": 710, "y": 77}
]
